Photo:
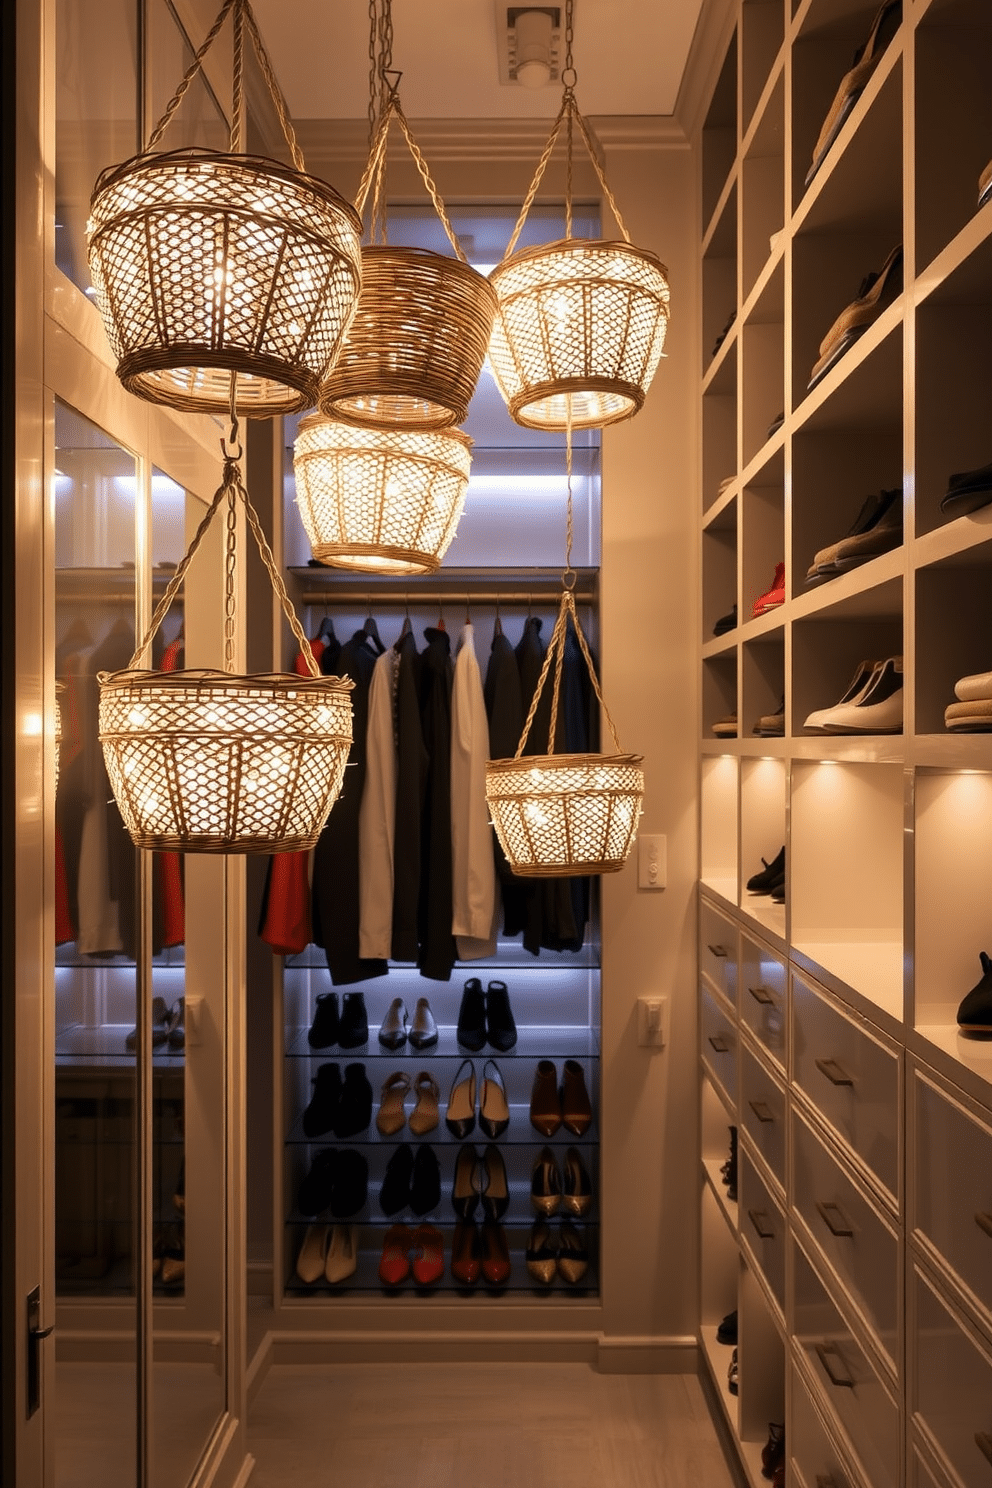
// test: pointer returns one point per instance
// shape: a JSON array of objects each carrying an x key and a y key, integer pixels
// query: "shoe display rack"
[
  {"x": 856, "y": 1249},
  {"x": 556, "y": 1017}
]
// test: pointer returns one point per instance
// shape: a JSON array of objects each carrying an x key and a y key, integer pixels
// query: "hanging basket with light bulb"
[
  {"x": 209, "y": 264},
  {"x": 380, "y": 500},
  {"x": 581, "y": 323},
  {"x": 415, "y": 349},
  {"x": 214, "y": 762},
  {"x": 564, "y": 815}
]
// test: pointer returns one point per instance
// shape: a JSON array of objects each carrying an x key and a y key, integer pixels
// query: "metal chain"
[
  {"x": 567, "y": 603},
  {"x": 373, "y": 70},
  {"x": 238, "y": 79},
  {"x": 230, "y": 564},
  {"x": 275, "y": 578},
  {"x": 176, "y": 582},
  {"x": 427, "y": 179},
  {"x": 569, "y": 68},
  {"x": 569, "y": 79},
  {"x": 542, "y": 166}
]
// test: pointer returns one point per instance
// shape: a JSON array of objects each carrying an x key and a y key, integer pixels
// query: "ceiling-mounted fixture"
[
  {"x": 213, "y": 762},
  {"x": 566, "y": 814},
  {"x": 529, "y": 43},
  {"x": 581, "y": 323},
  {"x": 415, "y": 350},
  {"x": 210, "y": 266},
  {"x": 380, "y": 500}
]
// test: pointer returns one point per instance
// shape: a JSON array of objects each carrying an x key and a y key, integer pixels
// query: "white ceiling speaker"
[{"x": 529, "y": 43}]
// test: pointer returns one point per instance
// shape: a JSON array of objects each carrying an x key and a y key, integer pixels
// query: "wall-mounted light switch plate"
[
  {"x": 652, "y": 1022},
  {"x": 652, "y": 861}
]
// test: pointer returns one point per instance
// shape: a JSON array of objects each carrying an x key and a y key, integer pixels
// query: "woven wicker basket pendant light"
[
  {"x": 415, "y": 349},
  {"x": 215, "y": 762},
  {"x": 581, "y": 323},
  {"x": 565, "y": 814},
  {"x": 209, "y": 264}
]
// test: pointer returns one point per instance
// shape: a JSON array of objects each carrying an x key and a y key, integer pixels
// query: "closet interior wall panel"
[{"x": 857, "y": 1250}]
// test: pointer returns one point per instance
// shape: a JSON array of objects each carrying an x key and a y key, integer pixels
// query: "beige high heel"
[
  {"x": 425, "y": 1115},
  {"x": 391, "y": 1116},
  {"x": 342, "y": 1254}
]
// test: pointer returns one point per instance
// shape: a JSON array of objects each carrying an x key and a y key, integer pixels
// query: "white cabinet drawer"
[
  {"x": 718, "y": 949},
  {"x": 763, "y": 1112},
  {"x": 718, "y": 1044},
  {"x": 850, "y": 1232},
  {"x": 763, "y": 997},
  {"x": 763, "y": 1227},
  {"x": 952, "y": 1386},
  {"x": 814, "y": 1456},
  {"x": 846, "y": 1376},
  {"x": 952, "y": 1204},
  {"x": 851, "y": 1077}
]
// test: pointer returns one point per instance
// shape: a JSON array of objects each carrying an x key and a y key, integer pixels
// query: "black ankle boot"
[
  {"x": 472, "y": 1016},
  {"x": 354, "y": 1113},
  {"x": 322, "y": 1112},
  {"x": 324, "y": 1028},
  {"x": 500, "y": 1027},
  {"x": 354, "y": 1028}
]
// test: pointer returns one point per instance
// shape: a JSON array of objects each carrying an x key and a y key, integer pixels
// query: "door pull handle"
[
  {"x": 718, "y": 951},
  {"x": 762, "y": 995},
  {"x": 762, "y": 1110},
  {"x": 834, "y": 1073},
  {"x": 762, "y": 1224},
  {"x": 835, "y": 1220},
  {"x": 827, "y": 1351},
  {"x": 984, "y": 1222},
  {"x": 720, "y": 1043}
]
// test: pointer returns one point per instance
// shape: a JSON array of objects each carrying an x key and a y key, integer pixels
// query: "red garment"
[
  {"x": 316, "y": 650},
  {"x": 64, "y": 928},
  {"x": 286, "y": 924},
  {"x": 170, "y": 865}
]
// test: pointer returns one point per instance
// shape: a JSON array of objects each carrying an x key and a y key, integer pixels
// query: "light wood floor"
[{"x": 481, "y": 1426}]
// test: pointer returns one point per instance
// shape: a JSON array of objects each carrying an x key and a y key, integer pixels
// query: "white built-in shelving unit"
[{"x": 859, "y": 1251}]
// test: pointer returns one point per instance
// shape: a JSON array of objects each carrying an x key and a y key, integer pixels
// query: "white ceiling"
[{"x": 629, "y": 56}]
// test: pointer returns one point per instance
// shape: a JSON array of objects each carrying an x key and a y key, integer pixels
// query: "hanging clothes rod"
[{"x": 418, "y": 598}]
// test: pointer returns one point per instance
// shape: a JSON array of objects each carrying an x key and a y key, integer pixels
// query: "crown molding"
[{"x": 714, "y": 29}]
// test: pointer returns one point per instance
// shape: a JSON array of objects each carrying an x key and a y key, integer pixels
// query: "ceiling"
[{"x": 629, "y": 57}]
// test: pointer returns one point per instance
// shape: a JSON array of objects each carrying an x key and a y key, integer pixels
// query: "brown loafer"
[{"x": 545, "y": 1105}]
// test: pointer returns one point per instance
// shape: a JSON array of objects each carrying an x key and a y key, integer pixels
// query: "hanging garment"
[
  {"x": 335, "y": 893},
  {"x": 565, "y": 906},
  {"x": 377, "y": 814},
  {"x": 437, "y": 944},
  {"x": 64, "y": 929},
  {"x": 411, "y": 785},
  {"x": 284, "y": 916},
  {"x": 71, "y": 800},
  {"x": 472, "y": 864},
  {"x": 505, "y": 711},
  {"x": 107, "y": 863}
]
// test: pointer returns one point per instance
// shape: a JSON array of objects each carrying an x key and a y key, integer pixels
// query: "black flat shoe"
[
  {"x": 501, "y": 1030},
  {"x": 472, "y": 1016},
  {"x": 321, "y": 1114},
  {"x": 727, "y": 1331},
  {"x": 425, "y": 1183},
  {"x": 394, "y": 1028},
  {"x": 772, "y": 874},
  {"x": 324, "y": 1028},
  {"x": 464, "y": 1189},
  {"x": 394, "y": 1194}
]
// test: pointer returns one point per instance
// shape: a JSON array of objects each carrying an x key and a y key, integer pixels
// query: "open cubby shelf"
[{"x": 825, "y": 1008}]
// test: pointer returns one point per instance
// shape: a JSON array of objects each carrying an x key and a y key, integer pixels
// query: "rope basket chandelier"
[
  {"x": 567, "y": 814},
  {"x": 581, "y": 324},
  {"x": 380, "y": 500},
  {"x": 210, "y": 265},
  {"x": 205, "y": 761},
  {"x": 416, "y": 347}
]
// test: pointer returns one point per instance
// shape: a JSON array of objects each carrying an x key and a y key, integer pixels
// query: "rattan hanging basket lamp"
[
  {"x": 380, "y": 500},
  {"x": 413, "y": 355},
  {"x": 210, "y": 266},
  {"x": 581, "y": 323},
  {"x": 562, "y": 815},
  {"x": 215, "y": 762}
]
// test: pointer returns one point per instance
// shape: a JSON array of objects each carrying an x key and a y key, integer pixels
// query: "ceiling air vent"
[{"x": 529, "y": 41}]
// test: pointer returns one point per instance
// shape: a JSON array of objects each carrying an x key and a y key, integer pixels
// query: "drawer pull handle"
[
  {"x": 720, "y": 1043},
  {"x": 826, "y": 1480},
  {"x": 762, "y": 1110},
  {"x": 984, "y": 1444},
  {"x": 833, "y": 1072},
  {"x": 836, "y": 1221},
  {"x": 826, "y": 1351},
  {"x": 762, "y": 995},
  {"x": 762, "y": 1224},
  {"x": 984, "y": 1222},
  {"x": 718, "y": 951}
]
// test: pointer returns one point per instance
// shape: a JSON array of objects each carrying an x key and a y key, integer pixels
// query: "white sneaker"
[{"x": 878, "y": 710}]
